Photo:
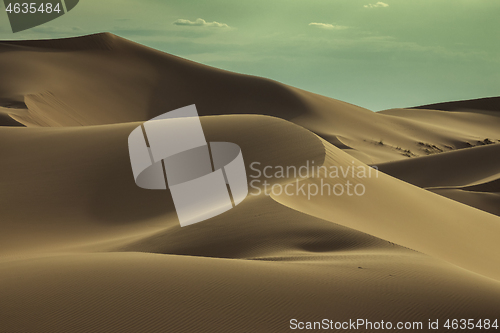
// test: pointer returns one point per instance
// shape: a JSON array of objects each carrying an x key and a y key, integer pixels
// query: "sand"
[{"x": 83, "y": 249}]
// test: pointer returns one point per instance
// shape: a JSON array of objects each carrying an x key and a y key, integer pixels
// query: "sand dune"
[
  {"x": 470, "y": 176},
  {"x": 464, "y": 167},
  {"x": 480, "y": 104},
  {"x": 110, "y": 80},
  {"x": 431, "y": 224},
  {"x": 7, "y": 120},
  {"x": 84, "y": 249}
]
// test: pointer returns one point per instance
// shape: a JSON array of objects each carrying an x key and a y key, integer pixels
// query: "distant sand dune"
[{"x": 480, "y": 104}]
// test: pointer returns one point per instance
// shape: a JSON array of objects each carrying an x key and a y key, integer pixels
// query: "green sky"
[{"x": 379, "y": 55}]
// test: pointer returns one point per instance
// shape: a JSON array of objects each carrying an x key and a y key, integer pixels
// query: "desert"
[{"x": 83, "y": 249}]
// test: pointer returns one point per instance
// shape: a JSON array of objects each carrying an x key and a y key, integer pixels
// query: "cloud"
[
  {"x": 200, "y": 23},
  {"x": 328, "y": 26},
  {"x": 378, "y": 4}
]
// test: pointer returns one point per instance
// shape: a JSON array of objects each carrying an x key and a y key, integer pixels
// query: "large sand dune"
[{"x": 83, "y": 249}]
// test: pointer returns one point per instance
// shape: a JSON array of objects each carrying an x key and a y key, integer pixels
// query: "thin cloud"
[
  {"x": 200, "y": 23},
  {"x": 327, "y": 26},
  {"x": 378, "y": 4}
]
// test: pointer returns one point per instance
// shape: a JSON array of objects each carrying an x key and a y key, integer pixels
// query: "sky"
[{"x": 378, "y": 55}]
